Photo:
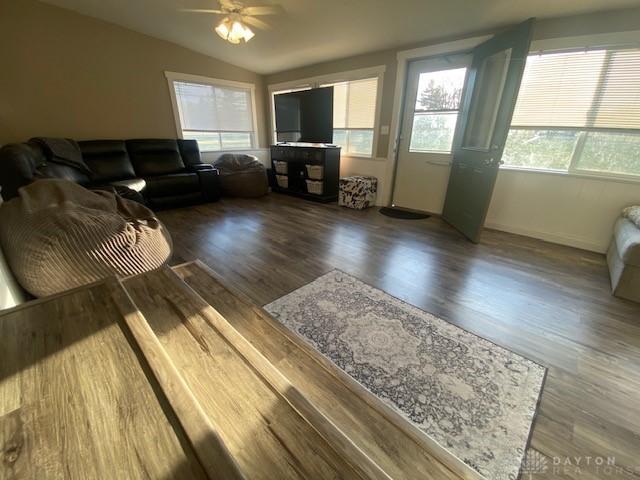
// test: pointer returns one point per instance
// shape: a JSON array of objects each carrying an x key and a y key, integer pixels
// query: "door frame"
[
  {"x": 407, "y": 160},
  {"x": 403, "y": 57}
]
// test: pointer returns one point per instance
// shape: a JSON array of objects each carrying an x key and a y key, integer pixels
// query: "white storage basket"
[
  {"x": 281, "y": 167},
  {"x": 314, "y": 187},
  {"x": 315, "y": 172},
  {"x": 283, "y": 181}
]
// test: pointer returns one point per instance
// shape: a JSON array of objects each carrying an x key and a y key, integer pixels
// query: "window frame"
[
  {"x": 573, "y": 44},
  {"x": 214, "y": 82},
  {"x": 315, "y": 82}
]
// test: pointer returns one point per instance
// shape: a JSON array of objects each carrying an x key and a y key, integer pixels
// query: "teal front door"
[{"x": 491, "y": 91}]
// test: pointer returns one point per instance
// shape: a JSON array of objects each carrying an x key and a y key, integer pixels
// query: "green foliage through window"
[{"x": 436, "y": 110}]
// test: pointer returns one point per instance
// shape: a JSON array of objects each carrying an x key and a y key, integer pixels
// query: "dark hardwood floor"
[{"x": 549, "y": 303}]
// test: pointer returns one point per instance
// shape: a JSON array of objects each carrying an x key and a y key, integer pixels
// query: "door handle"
[{"x": 489, "y": 162}]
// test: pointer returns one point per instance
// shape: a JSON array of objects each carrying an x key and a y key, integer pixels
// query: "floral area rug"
[{"x": 476, "y": 399}]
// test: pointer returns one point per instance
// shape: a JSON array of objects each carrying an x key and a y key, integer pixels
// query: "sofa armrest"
[
  {"x": 209, "y": 183},
  {"x": 199, "y": 167}
]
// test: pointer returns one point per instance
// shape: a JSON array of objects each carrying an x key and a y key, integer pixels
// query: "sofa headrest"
[
  {"x": 102, "y": 147},
  {"x": 189, "y": 151},
  {"x": 18, "y": 164},
  {"x": 108, "y": 160},
  {"x": 152, "y": 157},
  {"x": 148, "y": 145}
]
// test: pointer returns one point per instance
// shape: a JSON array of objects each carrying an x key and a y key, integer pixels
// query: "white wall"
[
  {"x": 562, "y": 208},
  {"x": 374, "y": 167},
  {"x": 572, "y": 210}
]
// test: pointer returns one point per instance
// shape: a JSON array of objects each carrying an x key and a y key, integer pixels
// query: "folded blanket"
[
  {"x": 58, "y": 235},
  {"x": 64, "y": 151},
  {"x": 633, "y": 214}
]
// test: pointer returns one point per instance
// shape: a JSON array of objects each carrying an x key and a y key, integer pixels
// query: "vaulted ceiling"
[{"x": 312, "y": 31}]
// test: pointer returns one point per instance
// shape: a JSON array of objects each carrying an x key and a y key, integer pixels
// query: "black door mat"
[{"x": 404, "y": 214}]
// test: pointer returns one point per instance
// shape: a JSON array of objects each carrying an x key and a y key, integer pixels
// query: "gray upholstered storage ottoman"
[{"x": 623, "y": 258}]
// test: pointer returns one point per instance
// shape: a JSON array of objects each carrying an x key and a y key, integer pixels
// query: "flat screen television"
[{"x": 305, "y": 116}]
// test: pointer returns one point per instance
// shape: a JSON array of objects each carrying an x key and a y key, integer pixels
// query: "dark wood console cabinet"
[{"x": 297, "y": 156}]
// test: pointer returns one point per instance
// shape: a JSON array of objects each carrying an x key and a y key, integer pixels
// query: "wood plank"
[
  {"x": 75, "y": 402},
  {"x": 266, "y": 435},
  {"x": 203, "y": 434},
  {"x": 387, "y": 438}
]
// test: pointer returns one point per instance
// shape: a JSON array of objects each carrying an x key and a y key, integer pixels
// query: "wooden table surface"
[
  {"x": 270, "y": 431},
  {"x": 75, "y": 399}
]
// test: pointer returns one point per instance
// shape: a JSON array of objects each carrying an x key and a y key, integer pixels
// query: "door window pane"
[
  {"x": 611, "y": 152},
  {"x": 487, "y": 94},
  {"x": 441, "y": 90},
  {"x": 436, "y": 110},
  {"x": 432, "y": 132},
  {"x": 548, "y": 149}
]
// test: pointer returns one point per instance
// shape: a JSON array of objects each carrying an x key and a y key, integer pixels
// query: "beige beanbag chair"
[{"x": 57, "y": 235}]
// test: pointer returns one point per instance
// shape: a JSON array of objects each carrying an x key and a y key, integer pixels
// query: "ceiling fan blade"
[
  {"x": 263, "y": 10},
  {"x": 201, "y": 10},
  {"x": 254, "y": 22}
]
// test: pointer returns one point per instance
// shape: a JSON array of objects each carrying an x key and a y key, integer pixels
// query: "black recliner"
[{"x": 166, "y": 172}]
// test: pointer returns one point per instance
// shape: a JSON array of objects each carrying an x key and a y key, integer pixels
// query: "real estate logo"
[{"x": 533, "y": 462}]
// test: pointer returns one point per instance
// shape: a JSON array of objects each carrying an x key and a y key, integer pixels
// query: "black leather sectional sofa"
[{"x": 166, "y": 172}]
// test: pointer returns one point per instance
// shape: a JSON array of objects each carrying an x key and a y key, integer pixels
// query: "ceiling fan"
[{"x": 233, "y": 27}]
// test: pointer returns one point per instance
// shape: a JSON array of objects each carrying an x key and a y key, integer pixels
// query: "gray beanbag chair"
[
  {"x": 57, "y": 235},
  {"x": 241, "y": 176}
]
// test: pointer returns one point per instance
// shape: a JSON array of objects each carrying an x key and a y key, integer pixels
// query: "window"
[
  {"x": 354, "y": 115},
  {"x": 436, "y": 110},
  {"x": 578, "y": 111},
  {"x": 218, "y": 115},
  {"x": 355, "y": 106}
]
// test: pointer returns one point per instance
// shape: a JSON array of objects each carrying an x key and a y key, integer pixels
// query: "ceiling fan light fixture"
[
  {"x": 233, "y": 31},
  {"x": 223, "y": 29},
  {"x": 248, "y": 34},
  {"x": 237, "y": 32}
]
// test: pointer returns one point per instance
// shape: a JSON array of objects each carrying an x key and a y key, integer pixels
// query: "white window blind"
[
  {"x": 210, "y": 108},
  {"x": 597, "y": 89},
  {"x": 219, "y": 117},
  {"x": 354, "y": 103},
  {"x": 354, "y": 115}
]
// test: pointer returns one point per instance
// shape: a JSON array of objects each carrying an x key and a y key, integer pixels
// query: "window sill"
[
  {"x": 360, "y": 157},
  {"x": 574, "y": 174},
  {"x": 231, "y": 150},
  {"x": 433, "y": 152}
]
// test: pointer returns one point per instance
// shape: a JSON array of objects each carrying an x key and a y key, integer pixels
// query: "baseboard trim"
[{"x": 567, "y": 240}]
